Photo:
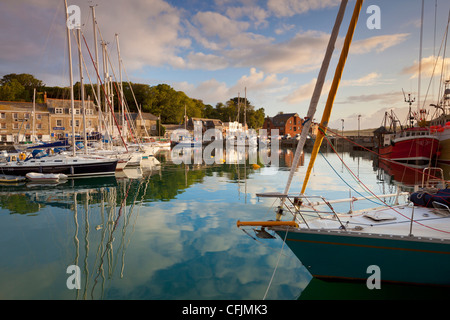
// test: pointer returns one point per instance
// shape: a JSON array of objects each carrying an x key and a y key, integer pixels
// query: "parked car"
[{"x": 286, "y": 136}]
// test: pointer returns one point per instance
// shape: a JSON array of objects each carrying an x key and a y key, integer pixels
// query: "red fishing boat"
[
  {"x": 415, "y": 145},
  {"x": 412, "y": 144}
]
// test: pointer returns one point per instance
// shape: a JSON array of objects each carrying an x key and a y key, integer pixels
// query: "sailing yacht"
[
  {"x": 64, "y": 163},
  {"x": 407, "y": 242},
  {"x": 71, "y": 165}
]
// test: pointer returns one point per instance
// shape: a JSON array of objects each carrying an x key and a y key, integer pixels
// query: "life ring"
[{"x": 22, "y": 156}]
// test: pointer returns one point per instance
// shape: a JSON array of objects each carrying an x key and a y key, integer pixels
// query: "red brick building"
[{"x": 286, "y": 123}]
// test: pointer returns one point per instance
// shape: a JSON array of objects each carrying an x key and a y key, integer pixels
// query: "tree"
[
  {"x": 27, "y": 81},
  {"x": 12, "y": 91}
]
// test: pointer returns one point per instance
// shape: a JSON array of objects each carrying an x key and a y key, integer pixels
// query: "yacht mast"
[
  {"x": 99, "y": 100},
  {"x": 124, "y": 132},
  {"x": 71, "y": 80},
  {"x": 33, "y": 136},
  {"x": 317, "y": 92},
  {"x": 332, "y": 94},
  {"x": 82, "y": 90}
]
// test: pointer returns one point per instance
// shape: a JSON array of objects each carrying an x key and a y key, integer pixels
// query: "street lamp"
[{"x": 359, "y": 117}]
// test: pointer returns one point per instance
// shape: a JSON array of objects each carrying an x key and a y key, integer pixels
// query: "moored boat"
[
  {"x": 72, "y": 166},
  {"x": 415, "y": 146},
  {"x": 395, "y": 242},
  {"x": 408, "y": 243},
  {"x": 45, "y": 177},
  {"x": 11, "y": 178}
]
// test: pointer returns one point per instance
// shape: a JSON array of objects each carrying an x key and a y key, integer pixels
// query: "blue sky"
[{"x": 212, "y": 50}]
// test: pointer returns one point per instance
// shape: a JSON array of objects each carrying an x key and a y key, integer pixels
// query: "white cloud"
[
  {"x": 297, "y": 55},
  {"x": 305, "y": 91},
  {"x": 288, "y": 8},
  {"x": 258, "y": 85},
  {"x": 367, "y": 80},
  {"x": 150, "y": 32},
  {"x": 217, "y": 32},
  {"x": 377, "y": 43},
  {"x": 430, "y": 66},
  {"x": 284, "y": 28},
  {"x": 254, "y": 13},
  {"x": 200, "y": 60}
]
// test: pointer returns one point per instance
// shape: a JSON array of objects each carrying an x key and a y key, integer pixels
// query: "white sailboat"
[
  {"x": 408, "y": 243},
  {"x": 72, "y": 165}
]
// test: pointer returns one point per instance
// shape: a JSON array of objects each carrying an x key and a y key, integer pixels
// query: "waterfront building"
[
  {"x": 60, "y": 113},
  {"x": 20, "y": 121},
  {"x": 286, "y": 123},
  {"x": 206, "y": 124},
  {"x": 25, "y": 122}
]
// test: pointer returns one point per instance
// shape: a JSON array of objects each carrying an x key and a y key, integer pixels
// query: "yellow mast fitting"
[{"x": 267, "y": 223}]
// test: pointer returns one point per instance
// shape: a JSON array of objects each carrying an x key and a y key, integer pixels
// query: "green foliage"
[
  {"x": 19, "y": 87},
  {"x": 237, "y": 109},
  {"x": 160, "y": 100}
]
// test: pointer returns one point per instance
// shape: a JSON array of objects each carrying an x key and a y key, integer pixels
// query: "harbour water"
[{"x": 169, "y": 233}]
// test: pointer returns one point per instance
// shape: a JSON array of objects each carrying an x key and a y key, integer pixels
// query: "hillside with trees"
[{"x": 160, "y": 100}]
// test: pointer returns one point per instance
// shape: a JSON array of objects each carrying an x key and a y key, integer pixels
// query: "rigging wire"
[
  {"x": 276, "y": 266},
  {"x": 386, "y": 204},
  {"x": 346, "y": 181},
  {"x": 381, "y": 157}
]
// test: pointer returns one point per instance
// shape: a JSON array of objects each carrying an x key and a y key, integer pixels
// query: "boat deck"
[{"x": 396, "y": 221}]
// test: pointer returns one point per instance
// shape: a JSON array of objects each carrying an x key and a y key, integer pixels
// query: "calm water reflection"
[{"x": 166, "y": 232}]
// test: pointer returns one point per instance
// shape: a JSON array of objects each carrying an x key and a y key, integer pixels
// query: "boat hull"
[
  {"x": 346, "y": 256},
  {"x": 70, "y": 169},
  {"x": 417, "y": 150},
  {"x": 444, "y": 141}
]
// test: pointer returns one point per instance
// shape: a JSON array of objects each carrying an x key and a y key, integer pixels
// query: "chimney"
[{"x": 45, "y": 97}]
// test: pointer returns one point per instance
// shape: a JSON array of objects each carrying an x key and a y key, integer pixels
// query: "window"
[
  {"x": 3, "y": 126},
  {"x": 15, "y": 116},
  {"x": 39, "y": 116},
  {"x": 77, "y": 123},
  {"x": 77, "y": 111},
  {"x": 89, "y": 111},
  {"x": 15, "y": 126},
  {"x": 59, "y": 123},
  {"x": 2, "y": 115},
  {"x": 59, "y": 111},
  {"x": 26, "y": 116},
  {"x": 39, "y": 126},
  {"x": 27, "y": 126}
]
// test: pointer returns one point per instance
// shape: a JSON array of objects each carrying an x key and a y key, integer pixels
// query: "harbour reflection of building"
[{"x": 288, "y": 156}]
